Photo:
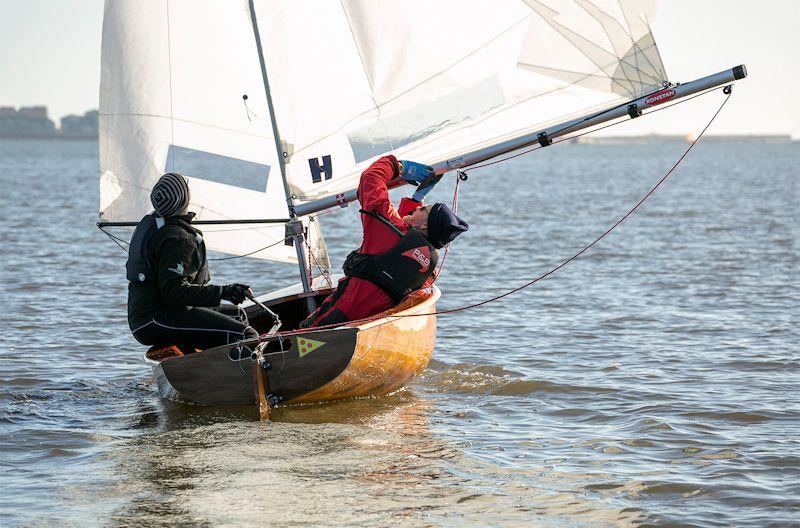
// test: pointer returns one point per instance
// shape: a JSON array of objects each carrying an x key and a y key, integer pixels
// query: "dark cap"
[{"x": 444, "y": 225}]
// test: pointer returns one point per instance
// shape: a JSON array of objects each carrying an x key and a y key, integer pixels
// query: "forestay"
[{"x": 350, "y": 80}]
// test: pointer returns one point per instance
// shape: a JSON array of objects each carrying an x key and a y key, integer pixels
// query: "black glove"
[{"x": 235, "y": 293}]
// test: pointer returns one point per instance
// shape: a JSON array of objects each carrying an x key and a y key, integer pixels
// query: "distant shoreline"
[{"x": 55, "y": 138}]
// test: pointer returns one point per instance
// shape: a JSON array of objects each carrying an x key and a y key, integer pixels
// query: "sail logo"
[
  {"x": 320, "y": 169},
  {"x": 421, "y": 255},
  {"x": 660, "y": 97}
]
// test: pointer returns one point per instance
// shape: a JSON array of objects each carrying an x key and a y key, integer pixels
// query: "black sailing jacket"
[{"x": 176, "y": 256}]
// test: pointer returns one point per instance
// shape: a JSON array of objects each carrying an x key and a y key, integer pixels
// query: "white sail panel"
[
  {"x": 356, "y": 79},
  {"x": 173, "y": 76},
  {"x": 601, "y": 44}
]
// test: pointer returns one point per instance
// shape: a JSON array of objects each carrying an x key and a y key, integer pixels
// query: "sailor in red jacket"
[{"x": 398, "y": 253}]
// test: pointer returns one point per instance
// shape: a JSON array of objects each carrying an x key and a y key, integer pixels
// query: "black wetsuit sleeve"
[{"x": 177, "y": 263}]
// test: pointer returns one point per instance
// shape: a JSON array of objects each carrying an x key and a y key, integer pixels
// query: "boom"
[{"x": 544, "y": 137}]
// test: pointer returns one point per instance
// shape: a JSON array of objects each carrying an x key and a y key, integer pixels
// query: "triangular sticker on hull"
[{"x": 305, "y": 346}]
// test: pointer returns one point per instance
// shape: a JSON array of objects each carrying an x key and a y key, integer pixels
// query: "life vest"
[
  {"x": 399, "y": 271},
  {"x": 138, "y": 267}
]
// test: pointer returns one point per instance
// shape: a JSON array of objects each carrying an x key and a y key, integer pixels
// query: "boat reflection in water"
[{"x": 366, "y": 461}]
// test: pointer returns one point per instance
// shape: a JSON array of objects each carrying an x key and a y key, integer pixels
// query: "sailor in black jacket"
[{"x": 169, "y": 298}]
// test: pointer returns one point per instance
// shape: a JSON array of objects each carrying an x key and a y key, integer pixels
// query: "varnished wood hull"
[{"x": 372, "y": 359}]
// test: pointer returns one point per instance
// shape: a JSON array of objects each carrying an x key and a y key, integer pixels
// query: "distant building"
[
  {"x": 80, "y": 127},
  {"x": 27, "y": 122},
  {"x": 31, "y": 122}
]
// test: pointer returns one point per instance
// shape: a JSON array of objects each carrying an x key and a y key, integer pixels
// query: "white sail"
[
  {"x": 173, "y": 76},
  {"x": 350, "y": 80},
  {"x": 356, "y": 79}
]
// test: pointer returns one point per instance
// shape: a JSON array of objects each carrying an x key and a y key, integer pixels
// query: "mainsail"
[
  {"x": 350, "y": 81},
  {"x": 357, "y": 79}
]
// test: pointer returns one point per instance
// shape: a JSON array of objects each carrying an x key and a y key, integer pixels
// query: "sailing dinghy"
[{"x": 273, "y": 108}]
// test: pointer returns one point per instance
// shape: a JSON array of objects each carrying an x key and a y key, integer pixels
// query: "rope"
[
  {"x": 286, "y": 333},
  {"x": 252, "y": 252},
  {"x": 605, "y": 233},
  {"x": 551, "y": 271},
  {"x": 454, "y": 207}
]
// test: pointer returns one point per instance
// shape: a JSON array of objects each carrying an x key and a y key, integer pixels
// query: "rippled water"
[{"x": 654, "y": 381}]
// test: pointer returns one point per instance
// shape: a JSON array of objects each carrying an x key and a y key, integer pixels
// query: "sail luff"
[{"x": 554, "y": 131}]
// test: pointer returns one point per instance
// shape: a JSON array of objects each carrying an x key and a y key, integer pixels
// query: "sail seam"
[
  {"x": 189, "y": 121},
  {"x": 613, "y": 42},
  {"x": 654, "y": 83},
  {"x": 661, "y": 70},
  {"x": 564, "y": 31},
  {"x": 636, "y": 54},
  {"x": 441, "y": 72}
]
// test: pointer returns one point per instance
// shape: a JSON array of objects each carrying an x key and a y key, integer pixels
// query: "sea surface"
[{"x": 651, "y": 382}]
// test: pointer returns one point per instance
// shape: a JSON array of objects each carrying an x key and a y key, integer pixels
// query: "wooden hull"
[{"x": 372, "y": 359}]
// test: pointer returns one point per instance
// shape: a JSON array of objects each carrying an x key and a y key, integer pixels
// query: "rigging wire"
[
  {"x": 252, "y": 252},
  {"x": 119, "y": 241},
  {"x": 116, "y": 240},
  {"x": 323, "y": 270}
]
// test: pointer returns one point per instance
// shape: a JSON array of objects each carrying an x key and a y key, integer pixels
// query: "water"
[{"x": 653, "y": 381}]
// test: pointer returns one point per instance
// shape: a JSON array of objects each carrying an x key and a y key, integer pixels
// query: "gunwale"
[{"x": 369, "y": 359}]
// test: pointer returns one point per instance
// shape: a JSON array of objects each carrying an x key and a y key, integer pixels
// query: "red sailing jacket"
[{"x": 360, "y": 297}]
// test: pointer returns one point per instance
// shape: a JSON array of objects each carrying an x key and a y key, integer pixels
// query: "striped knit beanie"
[{"x": 170, "y": 195}]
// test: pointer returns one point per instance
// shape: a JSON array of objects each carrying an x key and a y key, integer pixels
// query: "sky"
[{"x": 50, "y": 55}]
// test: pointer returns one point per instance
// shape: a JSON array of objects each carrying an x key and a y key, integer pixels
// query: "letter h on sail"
[{"x": 317, "y": 171}]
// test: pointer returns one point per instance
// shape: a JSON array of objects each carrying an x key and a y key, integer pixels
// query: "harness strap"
[{"x": 386, "y": 221}]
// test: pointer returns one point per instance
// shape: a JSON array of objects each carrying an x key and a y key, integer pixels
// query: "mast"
[
  {"x": 544, "y": 137},
  {"x": 294, "y": 225}
]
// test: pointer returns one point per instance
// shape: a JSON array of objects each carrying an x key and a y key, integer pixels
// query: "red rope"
[
  {"x": 606, "y": 232},
  {"x": 447, "y": 247},
  {"x": 543, "y": 275}
]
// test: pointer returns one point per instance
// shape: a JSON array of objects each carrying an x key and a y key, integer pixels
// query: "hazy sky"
[{"x": 50, "y": 55}]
